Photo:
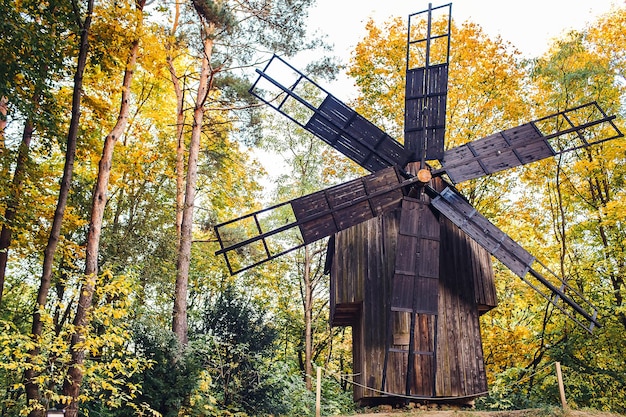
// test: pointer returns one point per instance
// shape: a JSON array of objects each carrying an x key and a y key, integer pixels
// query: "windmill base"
[
  {"x": 423, "y": 403},
  {"x": 449, "y": 367}
]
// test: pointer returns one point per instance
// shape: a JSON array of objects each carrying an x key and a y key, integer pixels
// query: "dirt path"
[{"x": 556, "y": 412}]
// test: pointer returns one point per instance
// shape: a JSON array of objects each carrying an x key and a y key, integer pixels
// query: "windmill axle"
[{"x": 424, "y": 175}]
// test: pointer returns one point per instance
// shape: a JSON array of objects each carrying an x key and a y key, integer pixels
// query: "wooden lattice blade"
[
  {"x": 452, "y": 205},
  {"x": 552, "y": 135},
  {"x": 414, "y": 297},
  {"x": 416, "y": 277},
  {"x": 425, "y": 113},
  {"x": 300, "y": 99},
  {"x": 426, "y": 88},
  {"x": 267, "y": 234}
]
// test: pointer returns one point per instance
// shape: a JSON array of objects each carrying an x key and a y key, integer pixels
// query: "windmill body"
[
  {"x": 369, "y": 294},
  {"x": 409, "y": 257}
]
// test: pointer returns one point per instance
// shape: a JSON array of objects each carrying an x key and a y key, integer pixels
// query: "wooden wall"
[{"x": 361, "y": 272}]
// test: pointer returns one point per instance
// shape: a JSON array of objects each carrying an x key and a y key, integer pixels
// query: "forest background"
[{"x": 127, "y": 132}]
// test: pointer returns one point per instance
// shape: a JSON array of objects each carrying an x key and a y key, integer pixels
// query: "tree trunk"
[
  {"x": 32, "y": 389},
  {"x": 180, "y": 149},
  {"x": 72, "y": 384},
  {"x": 179, "y": 315},
  {"x": 308, "y": 318},
  {"x": 180, "y": 139},
  {"x": 3, "y": 121},
  {"x": 10, "y": 213}
]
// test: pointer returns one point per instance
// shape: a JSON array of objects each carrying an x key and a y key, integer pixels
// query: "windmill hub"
[{"x": 424, "y": 175}]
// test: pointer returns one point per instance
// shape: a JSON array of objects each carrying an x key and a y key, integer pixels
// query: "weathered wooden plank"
[
  {"x": 376, "y": 294},
  {"x": 398, "y": 354},
  {"x": 462, "y": 338},
  {"x": 484, "y": 286},
  {"x": 423, "y": 380},
  {"x": 458, "y": 359},
  {"x": 354, "y": 136},
  {"x": 499, "y": 244},
  {"x": 425, "y": 108},
  {"x": 418, "y": 243},
  {"x": 337, "y": 208},
  {"x": 447, "y": 360},
  {"x": 506, "y": 149},
  {"x": 363, "y": 263}
]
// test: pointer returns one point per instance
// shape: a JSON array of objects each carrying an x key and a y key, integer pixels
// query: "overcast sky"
[{"x": 529, "y": 24}]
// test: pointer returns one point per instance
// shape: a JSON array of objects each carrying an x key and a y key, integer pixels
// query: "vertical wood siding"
[{"x": 361, "y": 275}]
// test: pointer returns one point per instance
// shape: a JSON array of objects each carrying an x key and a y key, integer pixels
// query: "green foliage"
[
  {"x": 109, "y": 367},
  {"x": 516, "y": 389},
  {"x": 215, "y": 13},
  {"x": 170, "y": 378},
  {"x": 37, "y": 39},
  {"x": 238, "y": 344}
]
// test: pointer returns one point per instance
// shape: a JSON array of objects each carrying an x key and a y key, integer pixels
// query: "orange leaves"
[
  {"x": 485, "y": 84},
  {"x": 378, "y": 65}
]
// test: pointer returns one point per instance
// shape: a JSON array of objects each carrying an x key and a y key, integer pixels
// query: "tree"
[
  {"x": 229, "y": 33},
  {"x": 139, "y": 196},
  {"x": 239, "y": 338},
  {"x": 29, "y": 72},
  {"x": 71, "y": 386},
  {"x": 582, "y": 192},
  {"x": 32, "y": 390},
  {"x": 168, "y": 383},
  {"x": 570, "y": 216},
  {"x": 179, "y": 315}
]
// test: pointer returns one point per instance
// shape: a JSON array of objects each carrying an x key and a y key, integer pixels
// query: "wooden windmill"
[{"x": 409, "y": 257}]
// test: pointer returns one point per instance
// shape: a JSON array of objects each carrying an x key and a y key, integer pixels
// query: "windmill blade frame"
[
  {"x": 426, "y": 84},
  {"x": 310, "y": 218},
  {"x": 322, "y": 114},
  {"x": 452, "y": 205},
  {"x": 552, "y": 135}
]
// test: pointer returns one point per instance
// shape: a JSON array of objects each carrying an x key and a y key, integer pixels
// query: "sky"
[{"x": 529, "y": 25}]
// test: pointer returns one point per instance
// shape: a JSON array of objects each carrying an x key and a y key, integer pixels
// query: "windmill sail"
[
  {"x": 552, "y": 135},
  {"x": 512, "y": 255},
  {"x": 414, "y": 300},
  {"x": 427, "y": 59},
  {"x": 300, "y": 99},
  {"x": 269, "y": 233}
]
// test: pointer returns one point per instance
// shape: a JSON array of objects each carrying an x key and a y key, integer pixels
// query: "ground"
[{"x": 555, "y": 412}]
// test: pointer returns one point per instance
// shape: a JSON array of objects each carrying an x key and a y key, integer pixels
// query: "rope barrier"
[{"x": 345, "y": 377}]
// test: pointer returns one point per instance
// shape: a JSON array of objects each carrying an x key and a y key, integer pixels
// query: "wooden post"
[
  {"x": 559, "y": 377},
  {"x": 318, "y": 393}
]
